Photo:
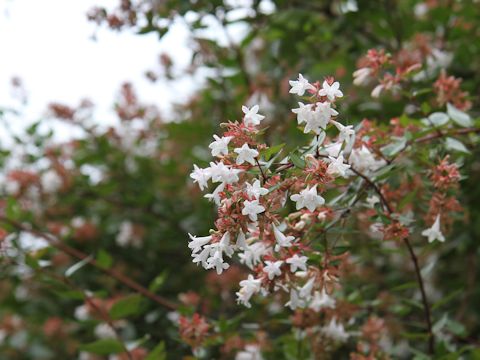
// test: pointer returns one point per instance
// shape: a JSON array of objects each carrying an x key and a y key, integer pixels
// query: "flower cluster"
[{"x": 266, "y": 208}]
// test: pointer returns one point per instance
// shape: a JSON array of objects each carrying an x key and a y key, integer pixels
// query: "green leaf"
[
  {"x": 461, "y": 118},
  {"x": 159, "y": 280},
  {"x": 130, "y": 305},
  {"x": 103, "y": 347},
  {"x": 409, "y": 285},
  {"x": 158, "y": 353},
  {"x": 104, "y": 259},
  {"x": 297, "y": 161},
  {"x": 395, "y": 147},
  {"x": 447, "y": 299},
  {"x": 438, "y": 118},
  {"x": 456, "y": 145},
  {"x": 268, "y": 153},
  {"x": 77, "y": 266}
]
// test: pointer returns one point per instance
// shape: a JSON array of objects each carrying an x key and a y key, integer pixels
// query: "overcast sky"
[{"x": 49, "y": 45}]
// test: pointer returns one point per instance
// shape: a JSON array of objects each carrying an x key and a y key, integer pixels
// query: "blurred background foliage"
[{"x": 135, "y": 177}]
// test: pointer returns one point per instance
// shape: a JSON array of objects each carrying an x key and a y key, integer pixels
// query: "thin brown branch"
[
  {"x": 101, "y": 312},
  {"x": 132, "y": 284},
  {"x": 265, "y": 178}
]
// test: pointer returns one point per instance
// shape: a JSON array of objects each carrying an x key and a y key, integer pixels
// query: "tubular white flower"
[
  {"x": 300, "y": 85},
  {"x": 306, "y": 290},
  {"x": 337, "y": 167},
  {"x": 223, "y": 173},
  {"x": 245, "y": 154},
  {"x": 272, "y": 268},
  {"x": 252, "y": 118},
  {"x": 319, "y": 118},
  {"x": 197, "y": 243},
  {"x": 252, "y": 255},
  {"x": 249, "y": 287},
  {"x": 220, "y": 145},
  {"x": 335, "y": 331},
  {"x": 215, "y": 196},
  {"x": 330, "y": 91},
  {"x": 282, "y": 240},
  {"x": 347, "y": 133},
  {"x": 297, "y": 263},
  {"x": 256, "y": 190},
  {"x": 201, "y": 176},
  {"x": 361, "y": 76},
  {"x": 434, "y": 233},
  {"x": 308, "y": 198},
  {"x": 321, "y": 300},
  {"x": 364, "y": 161},
  {"x": 304, "y": 112},
  {"x": 295, "y": 302},
  {"x": 252, "y": 209}
]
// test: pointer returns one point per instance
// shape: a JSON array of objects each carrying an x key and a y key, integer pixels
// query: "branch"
[
  {"x": 132, "y": 284},
  {"x": 413, "y": 257},
  {"x": 101, "y": 312}
]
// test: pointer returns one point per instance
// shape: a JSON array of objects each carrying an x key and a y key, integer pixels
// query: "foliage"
[{"x": 94, "y": 230}]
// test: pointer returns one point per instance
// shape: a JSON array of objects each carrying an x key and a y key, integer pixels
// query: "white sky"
[{"x": 48, "y": 44}]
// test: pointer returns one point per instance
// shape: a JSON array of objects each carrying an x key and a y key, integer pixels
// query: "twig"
[
  {"x": 265, "y": 178},
  {"x": 82, "y": 256}
]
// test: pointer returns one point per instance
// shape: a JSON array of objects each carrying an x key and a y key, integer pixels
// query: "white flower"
[
  {"x": 197, "y": 243},
  {"x": 249, "y": 287},
  {"x": 308, "y": 198},
  {"x": 295, "y": 302},
  {"x": 306, "y": 290},
  {"x": 304, "y": 112},
  {"x": 51, "y": 181},
  {"x": 319, "y": 118},
  {"x": 12, "y": 187},
  {"x": 297, "y": 263},
  {"x": 361, "y": 75},
  {"x": 334, "y": 149},
  {"x": 215, "y": 196},
  {"x": 220, "y": 145},
  {"x": 252, "y": 209},
  {"x": 203, "y": 256},
  {"x": 330, "y": 91},
  {"x": 223, "y": 173},
  {"x": 335, "y": 331},
  {"x": 245, "y": 154},
  {"x": 104, "y": 331},
  {"x": 216, "y": 261},
  {"x": 337, "y": 167},
  {"x": 347, "y": 133},
  {"x": 372, "y": 200},
  {"x": 81, "y": 313},
  {"x": 252, "y": 254},
  {"x": 377, "y": 91},
  {"x": 251, "y": 352},
  {"x": 434, "y": 233},
  {"x": 439, "y": 59},
  {"x": 273, "y": 269},
  {"x": 256, "y": 190},
  {"x": 241, "y": 240},
  {"x": 321, "y": 300},
  {"x": 282, "y": 240},
  {"x": 78, "y": 222},
  {"x": 300, "y": 85},
  {"x": 127, "y": 236},
  {"x": 200, "y": 176},
  {"x": 251, "y": 115},
  {"x": 364, "y": 161}
]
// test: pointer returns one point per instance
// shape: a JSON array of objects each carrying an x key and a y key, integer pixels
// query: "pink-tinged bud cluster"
[
  {"x": 267, "y": 209},
  {"x": 417, "y": 61}
]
